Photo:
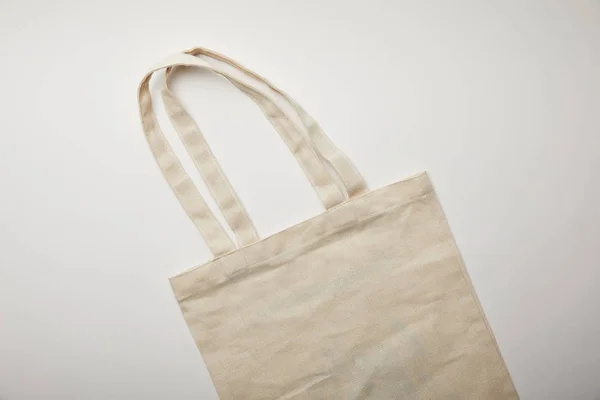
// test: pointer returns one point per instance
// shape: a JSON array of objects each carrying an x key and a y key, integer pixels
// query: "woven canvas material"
[{"x": 368, "y": 300}]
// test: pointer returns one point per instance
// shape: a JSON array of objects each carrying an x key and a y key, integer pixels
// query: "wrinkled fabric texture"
[{"x": 368, "y": 300}]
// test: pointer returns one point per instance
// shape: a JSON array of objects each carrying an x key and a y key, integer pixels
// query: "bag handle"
[
  {"x": 189, "y": 196},
  {"x": 354, "y": 183},
  {"x": 209, "y": 168}
]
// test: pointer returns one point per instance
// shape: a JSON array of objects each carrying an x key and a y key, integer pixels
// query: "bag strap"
[
  {"x": 354, "y": 183},
  {"x": 215, "y": 179},
  {"x": 189, "y": 196}
]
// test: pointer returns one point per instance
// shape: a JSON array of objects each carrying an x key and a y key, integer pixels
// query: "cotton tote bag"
[{"x": 368, "y": 300}]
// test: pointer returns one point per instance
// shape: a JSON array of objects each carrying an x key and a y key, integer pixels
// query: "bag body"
[{"x": 368, "y": 300}]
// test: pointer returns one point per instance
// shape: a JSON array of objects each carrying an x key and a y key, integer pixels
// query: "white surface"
[{"x": 499, "y": 101}]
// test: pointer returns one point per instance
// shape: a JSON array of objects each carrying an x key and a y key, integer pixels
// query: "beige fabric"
[
  {"x": 368, "y": 300},
  {"x": 181, "y": 183}
]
